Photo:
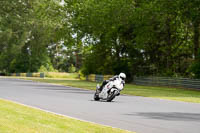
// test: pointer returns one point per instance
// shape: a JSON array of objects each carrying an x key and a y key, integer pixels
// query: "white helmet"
[{"x": 122, "y": 76}]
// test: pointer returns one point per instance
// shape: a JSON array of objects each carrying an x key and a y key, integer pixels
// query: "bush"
[
  {"x": 81, "y": 75},
  {"x": 72, "y": 69},
  {"x": 42, "y": 69},
  {"x": 195, "y": 67},
  {"x": 47, "y": 68}
]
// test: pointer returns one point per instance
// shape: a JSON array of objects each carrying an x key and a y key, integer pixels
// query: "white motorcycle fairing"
[
  {"x": 104, "y": 92},
  {"x": 111, "y": 87}
]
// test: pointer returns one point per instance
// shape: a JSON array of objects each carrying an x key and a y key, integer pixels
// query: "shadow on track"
[{"x": 170, "y": 116}]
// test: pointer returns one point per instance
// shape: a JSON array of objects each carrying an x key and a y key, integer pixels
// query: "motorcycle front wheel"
[{"x": 111, "y": 96}]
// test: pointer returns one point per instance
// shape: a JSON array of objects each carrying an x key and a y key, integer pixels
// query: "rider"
[{"x": 116, "y": 77}]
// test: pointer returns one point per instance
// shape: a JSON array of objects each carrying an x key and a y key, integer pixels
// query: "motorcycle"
[{"x": 109, "y": 91}]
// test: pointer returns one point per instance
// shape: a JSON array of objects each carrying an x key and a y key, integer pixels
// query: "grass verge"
[
  {"x": 15, "y": 118},
  {"x": 177, "y": 94}
]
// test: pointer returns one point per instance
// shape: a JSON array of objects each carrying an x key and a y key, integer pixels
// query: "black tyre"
[
  {"x": 111, "y": 96},
  {"x": 96, "y": 97}
]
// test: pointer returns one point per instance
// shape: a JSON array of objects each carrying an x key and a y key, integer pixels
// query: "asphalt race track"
[{"x": 139, "y": 114}]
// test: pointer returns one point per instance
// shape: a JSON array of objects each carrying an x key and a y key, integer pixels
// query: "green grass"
[
  {"x": 170, "y": 93},
  {"x": 177, "y": 94},
  {"x": 15, "y": 118}
]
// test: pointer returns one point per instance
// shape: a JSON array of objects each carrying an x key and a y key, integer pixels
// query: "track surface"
[{"x": 140, "y": 114}]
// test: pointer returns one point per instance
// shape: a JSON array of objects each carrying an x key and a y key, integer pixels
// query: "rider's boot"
[{"x": 103, "y": 84}]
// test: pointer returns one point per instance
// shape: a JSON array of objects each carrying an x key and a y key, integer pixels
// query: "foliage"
[
  {"x": 26, "y": 29},
  {"x": 43, "y": 69},
  {"x": 72, "y": 69},
  {"x": 138, "y": 37},
  {"x": 195, "y": 67}
]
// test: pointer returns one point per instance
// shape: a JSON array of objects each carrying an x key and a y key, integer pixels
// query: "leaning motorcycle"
[{"x": 109, "y": 91}]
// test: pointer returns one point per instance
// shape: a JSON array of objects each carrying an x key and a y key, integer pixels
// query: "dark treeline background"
[{"x": 138, "y": 37}]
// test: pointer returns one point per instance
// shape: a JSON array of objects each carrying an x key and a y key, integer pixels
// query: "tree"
[
  {"x": 27, "y": 28},
  {"x": 190, "y": 11}
]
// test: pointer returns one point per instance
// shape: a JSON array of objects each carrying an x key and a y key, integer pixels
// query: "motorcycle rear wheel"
[{"x": 96, "y": 97}]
